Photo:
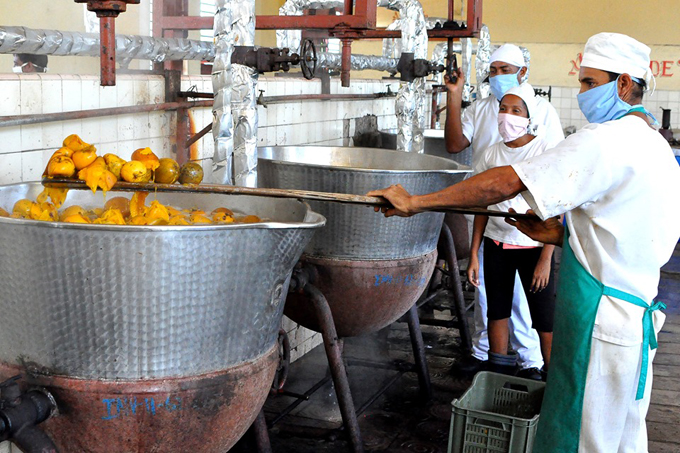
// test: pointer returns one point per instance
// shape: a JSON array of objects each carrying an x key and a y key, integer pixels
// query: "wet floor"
[{"x": 400, "y": 421}]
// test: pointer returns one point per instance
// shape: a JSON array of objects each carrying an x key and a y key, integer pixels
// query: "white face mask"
[{"x": 512, "y": 127}]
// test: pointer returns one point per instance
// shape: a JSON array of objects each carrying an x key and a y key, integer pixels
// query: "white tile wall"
[{"x": 564, "y": 101}]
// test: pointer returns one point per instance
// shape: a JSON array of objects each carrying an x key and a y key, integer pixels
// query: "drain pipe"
[
  {"x": 244, "y": 98},
  {"x": 223, "y": 124}
]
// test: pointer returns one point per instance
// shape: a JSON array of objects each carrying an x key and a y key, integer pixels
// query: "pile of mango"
[
  {"x": 77, "y": 159},
  {"x": 124, "y": 211}
]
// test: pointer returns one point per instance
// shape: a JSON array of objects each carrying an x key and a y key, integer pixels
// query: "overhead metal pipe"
[
  {"x": 22, "y": 120},
  {"x": 358, "y": 62},
  {"x": 66, "y": 43}
]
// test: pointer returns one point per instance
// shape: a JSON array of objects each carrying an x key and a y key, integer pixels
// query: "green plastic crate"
[{"x": 497, "y": 414}]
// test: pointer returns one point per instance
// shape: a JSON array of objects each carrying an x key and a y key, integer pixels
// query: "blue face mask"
[
  {"x": 602, "y": 103},
  {"x": 501, "y": 83}
]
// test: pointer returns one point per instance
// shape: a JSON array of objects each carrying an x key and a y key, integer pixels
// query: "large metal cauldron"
[
  {"x": 436, "y": 146},
  {"x": 150, "y": 338},
  {"x": 371, "y": 269}
]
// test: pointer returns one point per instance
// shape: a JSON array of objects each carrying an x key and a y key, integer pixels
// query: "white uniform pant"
[
  {"x": 613, "y": 421},
  {"x": 523, "y": 338}
]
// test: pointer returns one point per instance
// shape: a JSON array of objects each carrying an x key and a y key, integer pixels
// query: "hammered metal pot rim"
[
  {"x": 312, "y": 220},
  {"x": 444, "y": 162},
  {"x": 317, "y": 219}
]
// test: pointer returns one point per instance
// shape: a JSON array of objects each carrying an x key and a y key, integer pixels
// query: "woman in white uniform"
[
  {"x": 478, "y": 127},
  {"x": 617, "y": 181},
  {"x": 506, "y": 250}
]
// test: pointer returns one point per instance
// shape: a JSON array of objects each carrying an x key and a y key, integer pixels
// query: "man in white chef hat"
[
  {"x": 478, "y": 128},
  {"x": 606, "y": 318}
]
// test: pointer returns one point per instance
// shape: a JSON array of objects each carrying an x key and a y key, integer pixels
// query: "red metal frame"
[
  {"x": 107, "y": 11},
  {"x": 359, "y": 24}
]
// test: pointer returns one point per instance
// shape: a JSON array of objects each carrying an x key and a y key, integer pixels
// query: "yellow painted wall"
[{"x": 556, "y": 30}]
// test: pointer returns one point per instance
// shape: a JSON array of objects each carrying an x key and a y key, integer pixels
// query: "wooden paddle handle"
[{"x": 122, "y": 186}]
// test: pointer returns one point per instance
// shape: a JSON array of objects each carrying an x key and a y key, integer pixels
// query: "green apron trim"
[
  {"x": 648, "y": 334},
  {"x": 578, "y": 299}
]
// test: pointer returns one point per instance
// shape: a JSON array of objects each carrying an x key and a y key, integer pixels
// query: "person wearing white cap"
[
  {"x": 478, "y": 128},
  {"x": 506, "y": 250},
  {"x": 616, "y": 180}
]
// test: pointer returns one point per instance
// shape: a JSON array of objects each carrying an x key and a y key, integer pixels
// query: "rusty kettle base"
[
  {"x": 364, "y": 295},
  {"x": 199, "y": 414}
]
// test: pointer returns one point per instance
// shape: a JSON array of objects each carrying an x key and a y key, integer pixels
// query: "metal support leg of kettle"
[
  {"x": 333, "y": 346},
  {"x": 446, "y": 238},
  {"x": 418, "y": 346},
  {"x": 261, "y": 434}
]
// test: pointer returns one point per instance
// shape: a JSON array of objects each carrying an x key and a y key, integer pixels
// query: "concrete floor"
[{"x": 399, "y": 421}]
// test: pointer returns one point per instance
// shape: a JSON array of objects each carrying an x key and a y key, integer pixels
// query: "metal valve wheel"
[{"x": 308, "y": 59}]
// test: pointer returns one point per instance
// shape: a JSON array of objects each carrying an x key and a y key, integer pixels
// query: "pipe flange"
[{"x": 108, "y": 8}]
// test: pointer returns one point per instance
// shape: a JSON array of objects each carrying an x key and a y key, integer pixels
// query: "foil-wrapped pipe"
[
  {"x": 392, "y": 46},
  {"x": 223, "y": 124},
  {"x": 466, "y": 66},
  {"x": 413, "y": 25},
  {"x": 410, "y": 102},
  {"x": 482, "y": 62},
  {"x": 63, "y": 43},
  {"x": 527, "y": 61},
  {"x": 359, "y": 62},
  {"x": 244, "y": 98},
  {"x": 292, "y": 38}
]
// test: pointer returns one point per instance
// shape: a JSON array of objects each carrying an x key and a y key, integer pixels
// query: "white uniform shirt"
[
  {"x": 619, "y": 184},
  {"x": 480, "y": 124},
  {"x": 498, "y": 155}
]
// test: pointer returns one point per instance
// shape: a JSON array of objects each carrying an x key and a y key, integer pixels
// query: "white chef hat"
[
  {"x": 526, "y": 93},
  {"x": 508, "y": 53},
  {"x": 620, "y": 54}
]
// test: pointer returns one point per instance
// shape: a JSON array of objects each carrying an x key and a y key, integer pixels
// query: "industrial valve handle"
[
  {"x": 308, "y": 59},
  {"x": 452, "y": 68}
]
